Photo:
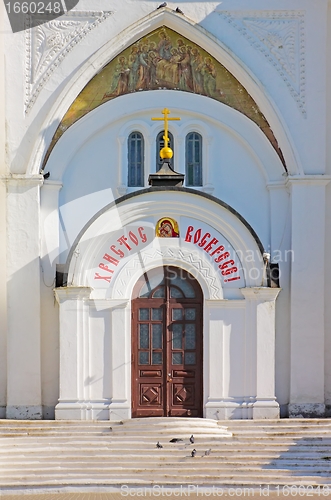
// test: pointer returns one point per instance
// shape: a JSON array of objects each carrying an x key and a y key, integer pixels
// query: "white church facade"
[{"x": 197, "y": 286}]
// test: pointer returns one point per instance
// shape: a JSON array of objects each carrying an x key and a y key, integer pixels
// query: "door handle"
[{"x": 169, "y": 377}]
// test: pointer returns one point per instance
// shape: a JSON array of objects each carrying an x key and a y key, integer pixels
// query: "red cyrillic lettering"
[
  {"x": 204, "y": 239},
  {"x": 210, "y": 244},
  {"x": 106, "y": 278},
  {"x": 133, "y": 238},
  {"x": 232, "y": 279},
  {"x": 142, "y": 235},
  {"x": 197, "y": 235},
  {"x": 111, "y": 259},
  {"x": 229, "y": 271},
  {"x": 188, "y": 236},
  {"x": 223, "y": 256},
  {"x": 118, "y": 251},
  {"x": 104, "y": 267},
  {"x": 122, "y": 241},
  {"x": 218, "y": 250},
  {"x": 226, "y": 264}
]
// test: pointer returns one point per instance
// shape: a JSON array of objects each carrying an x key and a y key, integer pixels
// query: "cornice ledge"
[
  {"x": 263, "y": 294},
  {"x": 277, "y": 184},
  {"x": 55, "y": 185},
  {"x": 23, "y": 180},
  {"x": 72, "y": 293},
  {"x": 312, "y": 179}
]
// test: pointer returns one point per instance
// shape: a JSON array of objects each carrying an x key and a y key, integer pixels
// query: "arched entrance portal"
[{"x": 167, "y": 344}]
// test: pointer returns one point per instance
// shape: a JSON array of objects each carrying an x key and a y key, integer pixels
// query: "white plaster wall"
[
  {"x": 328, "y": 225},
  {"x": 23, "y": 277},
  {"x": 3, "y": 172},
  {"x": 261, "y": 76},
  {"x": 49, "y": 319},
  {"x": 327, "y": 296},
  {"x": 240, "y": 163},
  {"x": 239, "y": 159},
  {"x": 95, "y": 164},
  {"x": 280, "y": 250},
  {"x": 100, "y": 332}
]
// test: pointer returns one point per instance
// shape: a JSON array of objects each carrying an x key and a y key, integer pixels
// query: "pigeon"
[
  {"x": 164, "y": 4},
  {"x": 207, "y": 452},
  {"x": 179, "y": 11},
  {"x": 158, "y": 445},
  {"x": 175, "y": 440},
  {"x": 193, "y": 452},
  {"x": 192, "y": 439}
]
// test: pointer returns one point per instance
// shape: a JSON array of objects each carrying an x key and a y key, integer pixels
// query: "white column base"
[
  {"x": 16, "y": 412},
  {"x": 119, "y": 410},
  {"x": 84, "y": 410},
  {"x": 243, "y": 410},
  {"x": 306, "y": 410},
  {"x": 263, "y": 409},
  {"x": 224, "y": 410}
]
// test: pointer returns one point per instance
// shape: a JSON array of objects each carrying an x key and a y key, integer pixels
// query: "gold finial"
[{"x": 165, "y": 152}]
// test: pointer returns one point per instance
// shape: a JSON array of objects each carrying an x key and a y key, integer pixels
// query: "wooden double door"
[{"x": 167, "y": 344}]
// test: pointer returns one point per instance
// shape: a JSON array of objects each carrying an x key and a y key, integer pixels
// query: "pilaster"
[
  {"x": 3, "y": 236},
  {"x": 120, "y": 405},
  {"x": 74, "y": 328},
  {"x": 50, "y": 246},
  {"x": 281, "y": 253},
  {"x": 23, "y": 297},
  {"x": 260, "y": 351},
  {"x": 223, "y": 380},
  {"x": 307, "y": 296}
]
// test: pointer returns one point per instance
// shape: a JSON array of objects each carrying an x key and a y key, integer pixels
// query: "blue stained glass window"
[
  {"x": 135, "y": 160},
  {"x": 193, "y": 159}
]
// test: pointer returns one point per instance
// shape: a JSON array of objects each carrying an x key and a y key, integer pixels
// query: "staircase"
[{"x": 269, "y": 454}]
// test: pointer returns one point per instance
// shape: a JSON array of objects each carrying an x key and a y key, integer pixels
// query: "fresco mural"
[{"x": 164, "y": 60}]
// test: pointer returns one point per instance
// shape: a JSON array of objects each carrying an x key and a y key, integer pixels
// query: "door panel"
[{"x": 167, "y": 346}]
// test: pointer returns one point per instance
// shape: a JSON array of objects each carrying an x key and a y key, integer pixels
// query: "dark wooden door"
[{"x": 167, "y": 344}]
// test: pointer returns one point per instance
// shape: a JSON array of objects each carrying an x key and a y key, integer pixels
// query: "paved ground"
[{"x": 99, "y": 495}]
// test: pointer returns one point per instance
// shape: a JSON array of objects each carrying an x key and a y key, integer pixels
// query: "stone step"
[
  {"x": 143, "y": 478},
  {"x": 89, "y": 445},
  {"x": 199, "y": 460},
  {"x": 48, "y": 453},
  {"x": 267, "y": 459}
]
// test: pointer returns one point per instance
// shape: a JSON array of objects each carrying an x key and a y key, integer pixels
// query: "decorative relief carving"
[
  {"x": 280, "y": 37},
  {"x": 49, "y": 43},
  {"x": 168, "y": 253}
]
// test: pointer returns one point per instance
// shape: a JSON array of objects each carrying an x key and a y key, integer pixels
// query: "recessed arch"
[
  {"x": 195, "y": 33},
  {"x": 94, "y": 238},
  {"x": 165, "y": 59}
]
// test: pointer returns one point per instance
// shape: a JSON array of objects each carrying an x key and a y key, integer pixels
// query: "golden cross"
[{"x": 165, "y": 112}]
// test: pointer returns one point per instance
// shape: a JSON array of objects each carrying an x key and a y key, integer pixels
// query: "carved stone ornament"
[
  {"x": 49, "y": 43},
  {"x": 280, "y": 37},
  {"x": 165, "y": 255}
]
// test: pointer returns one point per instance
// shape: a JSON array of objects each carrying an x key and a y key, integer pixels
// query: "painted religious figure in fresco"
[
  {"x": 163, "y": 59},
  {"x": 163, "y": 63},
  {"x": 167, "y": 228}
]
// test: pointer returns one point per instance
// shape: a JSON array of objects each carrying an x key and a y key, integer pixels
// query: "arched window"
[
  {"x": 135, "y": 159},
  {"x": 193, "y": 159},
  {"x": 160, "y": 145}
]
